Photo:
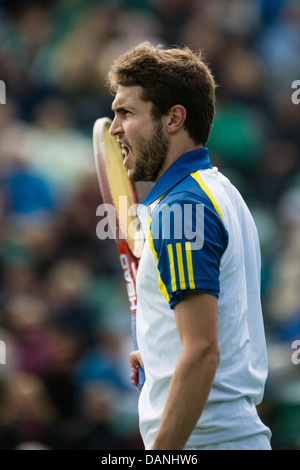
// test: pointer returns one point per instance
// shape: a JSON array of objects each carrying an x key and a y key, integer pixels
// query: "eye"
[{"x": 122, "y": 112}]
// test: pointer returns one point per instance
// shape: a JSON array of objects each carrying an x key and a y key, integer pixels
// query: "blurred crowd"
[{"x": 64, "y": 314}]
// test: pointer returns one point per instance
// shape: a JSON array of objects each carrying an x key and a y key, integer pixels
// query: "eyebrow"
[{"x": 121, "y": 108}]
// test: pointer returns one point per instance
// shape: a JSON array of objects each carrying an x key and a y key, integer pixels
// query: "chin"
[{"x": 130, "y": 174}]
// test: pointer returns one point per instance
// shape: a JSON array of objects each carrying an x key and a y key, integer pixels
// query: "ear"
[{"x": 176, "y": 118}]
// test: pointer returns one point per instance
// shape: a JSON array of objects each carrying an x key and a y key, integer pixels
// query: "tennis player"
[{"x": 199, "y": 320}]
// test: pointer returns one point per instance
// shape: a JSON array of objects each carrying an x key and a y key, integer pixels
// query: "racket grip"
[{"x": 142, "y": 377}]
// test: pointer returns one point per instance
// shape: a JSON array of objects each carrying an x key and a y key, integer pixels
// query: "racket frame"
[{"x": 129, "y": 260}]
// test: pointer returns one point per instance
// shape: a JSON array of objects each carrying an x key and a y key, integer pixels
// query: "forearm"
[{"x": 187, "y": 396}]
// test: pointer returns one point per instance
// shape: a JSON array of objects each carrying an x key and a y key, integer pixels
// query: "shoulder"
[{"x": 186, "y": 192}]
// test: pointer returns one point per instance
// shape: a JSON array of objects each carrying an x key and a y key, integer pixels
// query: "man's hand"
[{"x": 135, "y": 361}]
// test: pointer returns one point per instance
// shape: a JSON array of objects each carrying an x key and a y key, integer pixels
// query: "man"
[{"x": 199, "y": 321}]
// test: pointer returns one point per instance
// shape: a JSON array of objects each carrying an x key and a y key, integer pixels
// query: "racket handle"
[{"x": 142, "y": 377}]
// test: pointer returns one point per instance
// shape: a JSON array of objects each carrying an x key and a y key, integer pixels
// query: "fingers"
[
  {"x": 135, "y": 361},
  {"x": 134, "y": 376}
]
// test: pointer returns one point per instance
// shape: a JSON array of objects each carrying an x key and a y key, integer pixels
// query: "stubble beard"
[{"x": 152, "y": 154}]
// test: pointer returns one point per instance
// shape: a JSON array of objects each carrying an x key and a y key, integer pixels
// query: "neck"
[{"x": 175, "y": 152}]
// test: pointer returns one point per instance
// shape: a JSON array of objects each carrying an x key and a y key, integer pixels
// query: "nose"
[{"x": 115, "y": 127}]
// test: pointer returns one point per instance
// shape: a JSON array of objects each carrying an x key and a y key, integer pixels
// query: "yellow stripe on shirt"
[
  {"x": 203, "y": 186},
  {"x": 180, "y": 266},
  {"x": 172, "y": 268},
  {"x": 189, "y": 261},
  {"x": 161, "y": 284}
]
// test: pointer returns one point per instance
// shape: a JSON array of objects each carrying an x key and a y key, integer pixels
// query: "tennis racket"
[{"x": 114, "y": 184}]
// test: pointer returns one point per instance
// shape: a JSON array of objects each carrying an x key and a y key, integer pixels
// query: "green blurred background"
[{"x": 64, "y": 314}]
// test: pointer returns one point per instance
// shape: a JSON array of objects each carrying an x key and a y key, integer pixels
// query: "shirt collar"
[{"x": 188, "y": 163}]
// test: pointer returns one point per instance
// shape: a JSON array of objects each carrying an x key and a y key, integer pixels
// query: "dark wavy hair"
[{"x": 169, "y": 77}]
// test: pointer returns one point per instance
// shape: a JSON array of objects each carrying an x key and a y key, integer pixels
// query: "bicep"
[{"x": 197, "y": 320}]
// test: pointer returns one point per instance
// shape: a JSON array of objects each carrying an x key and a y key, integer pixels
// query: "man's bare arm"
[{"x": 196, "y": 318}]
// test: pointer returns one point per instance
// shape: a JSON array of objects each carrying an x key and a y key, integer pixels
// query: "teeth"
[{"x": 122, "y": 147}]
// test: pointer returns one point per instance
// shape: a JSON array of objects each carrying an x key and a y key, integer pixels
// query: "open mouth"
[{"x": 126, "y": 152}]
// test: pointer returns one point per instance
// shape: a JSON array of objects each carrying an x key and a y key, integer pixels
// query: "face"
[{"x": 142, "y": 138}]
